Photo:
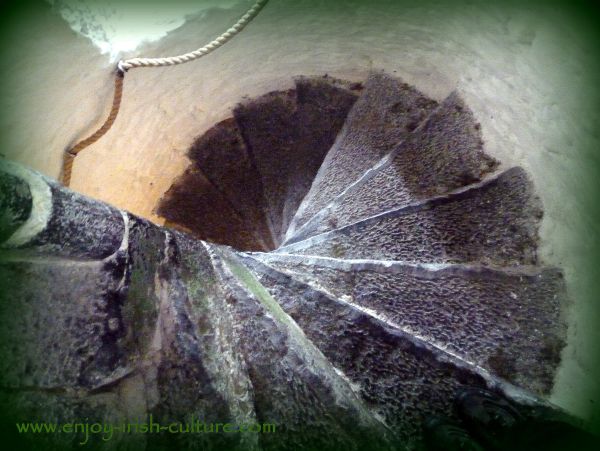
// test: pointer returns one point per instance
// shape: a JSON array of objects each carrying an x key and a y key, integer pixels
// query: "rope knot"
[{"x": 121, "y": 68}]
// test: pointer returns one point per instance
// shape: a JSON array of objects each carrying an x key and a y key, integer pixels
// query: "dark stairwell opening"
[{"x": 249, "y": 173}]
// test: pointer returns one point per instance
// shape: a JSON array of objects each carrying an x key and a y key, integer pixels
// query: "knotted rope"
[{"x": 124, "y": 65}]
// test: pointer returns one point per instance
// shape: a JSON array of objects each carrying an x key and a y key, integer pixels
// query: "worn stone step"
[
  {"x": 15, "y": 204},
  {"x": 288, "y": 134},
  {"x": 42, "y": 218},
  {"x": 509, "y": 321},
  {"x": 403, "y": 378},
  {"x": 294, "y": 385},
  {"x": 387, "y": 111},
  {"x": 193, "y": 204},
  {"x": 54, "y": 314},
  {"x": 222, "y": 156},
  {"x": 120, "y": 339},
  {"x": 494, "y": 222},
  {"x": 117, "y": 338},
  {"x": 443, "y": 154}
]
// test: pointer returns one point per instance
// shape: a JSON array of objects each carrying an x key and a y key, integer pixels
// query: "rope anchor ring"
[{"x": 125, "y": 65}]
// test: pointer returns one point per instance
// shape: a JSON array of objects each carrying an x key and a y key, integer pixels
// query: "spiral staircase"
[{"x": 351, "y": 258}]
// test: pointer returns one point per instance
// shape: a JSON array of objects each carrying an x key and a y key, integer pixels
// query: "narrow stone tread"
[
  {"x": 494, "y": 222},
  {"x": 443, "y": 154},
  {"x": 386, "y": 112},
  {"x": 509, "y": 320},
  {"x": 294, "y": 385},
  {"x": 403, "y": 378},
  {"x": 288, "y": 135}
]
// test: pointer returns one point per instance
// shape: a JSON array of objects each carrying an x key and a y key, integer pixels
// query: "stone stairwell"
[{"x": 347, "y": 258}]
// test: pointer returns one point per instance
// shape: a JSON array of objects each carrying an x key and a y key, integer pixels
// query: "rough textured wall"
[{"x": 524, "y": 74}]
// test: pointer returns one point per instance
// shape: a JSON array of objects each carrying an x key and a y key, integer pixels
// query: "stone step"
[
  {"x": 43, "y": 218},
  {"x": 195, "y": 205},
  {"x": 222, "y": 156},
  {"x": 53, "y": 318},
  {"x": 16, "y": 203},
  {"x": 203, "y": 363},
  {"x": 387, "y": 111},
  {"x": 494, "y": 222},
  {"x": 509, "y": 321},
  {"x": 113, "y": 328},
  {"x": 288, "y": 134},
  {"x": 443, "y": 154},
  {"x": 119, "y": 340},
  {"x": 404, "y": 379},
  {"x": 294, "y": 385}
]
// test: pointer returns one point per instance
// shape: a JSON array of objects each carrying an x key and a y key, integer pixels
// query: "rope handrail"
[{"x": 124, "y": 65}]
